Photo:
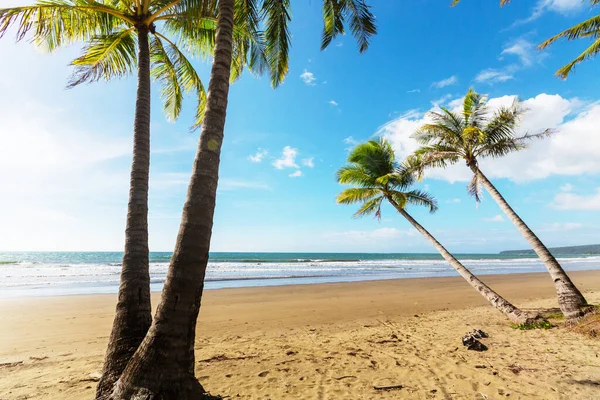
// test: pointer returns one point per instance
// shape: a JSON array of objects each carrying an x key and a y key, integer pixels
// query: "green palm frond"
[
  {"x": 106, "y": 57},
  {"x": 277, "y": 38},
  {"x": 56, "y": 23},
  {"x": 474, "y": 188},
  {"x": 356, "y": 175},
  {"x": 186, "y": 78},
  {"x": 249, "y": 42},
  {"x": 500, "y": 148},
  {"x": 474, "y": 108},
  {"x": 504, "y": 122},
  {"x": 362, "y": 22},
  {"x": 164, "y": 70},
  {"x": 376, "y": 156},
  {"x": 357, "y": 195},
  {"x": 359, "y": 15},
  {"x": 333, "y": 19},
  {"x": 586, "y": 29},
  {"x": 370, "y": 207},
  {"x": 588, "y": 53},
  {"x": 421, "y": 198}
]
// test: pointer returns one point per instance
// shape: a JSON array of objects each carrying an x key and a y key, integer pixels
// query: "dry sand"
[{"x": 327, "y": 341}]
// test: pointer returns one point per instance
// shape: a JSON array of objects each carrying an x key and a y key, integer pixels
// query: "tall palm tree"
[
  {"x": 163, "y": 365},
  {"x": 121, "y": 37},
  {"x": 376, "y": 176},
  {"x": 589, "y": 28},
  {"x": 473, "y": 134}
]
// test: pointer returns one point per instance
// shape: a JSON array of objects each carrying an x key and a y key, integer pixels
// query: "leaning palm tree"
[
  {"x": 473, "y": 134},
  {"x": 147, "y": 36},
  {"x": 377, "y": 177},
  {"x": 163, "y": 365}
]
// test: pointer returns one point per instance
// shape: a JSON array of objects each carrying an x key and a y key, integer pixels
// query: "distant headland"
[{"x": 585, "y": 249}]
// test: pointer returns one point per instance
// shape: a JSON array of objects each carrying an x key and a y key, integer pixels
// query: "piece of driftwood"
[{"x": 388, "y": 387}]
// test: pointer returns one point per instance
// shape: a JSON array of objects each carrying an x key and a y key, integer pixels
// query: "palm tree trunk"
[
  {"x": 163, "y": 366},
  {"x": 514, "y": 314},
  {"x": 571, "y": 301},
  {"x": 133, "y": 315}
]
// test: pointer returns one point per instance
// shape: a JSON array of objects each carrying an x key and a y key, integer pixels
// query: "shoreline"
[
  {"x": 263, "y": 282},
  {"x": 295, "y": 342}
]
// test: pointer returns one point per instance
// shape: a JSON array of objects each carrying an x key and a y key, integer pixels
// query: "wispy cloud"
[
  {"x": 287, "y": 159},
  {"x": 495, "y": 218},
  {"x": 441, "y": 101},
  {"x": 572, "y": 201},
  {"x": 491, "y": 76},
  {"x": 453, "y": 201},
  {"x": 308, "y": 162},
  {"x": 351, "y": 141},
  {"x": 333, "y": 103},
  {"x": 561, "y": 226},
  {"x": 234, "y": 184},
  {"x": 308, "y": 78},
  {"x": 295, "y": 174},
  {"x": 258, "y": 157},
  {"x": 565, "y": 7},
  {"x": 566, "y": 187},
  {"x": 453, "y": 80},
  {"x": 414, "y": 91}
]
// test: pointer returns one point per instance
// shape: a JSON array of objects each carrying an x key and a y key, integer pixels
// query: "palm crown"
[
  {"x": 110, "y": 27},
  {"x": 376, "y": 175},
  {"x": 469, "y": 135}
]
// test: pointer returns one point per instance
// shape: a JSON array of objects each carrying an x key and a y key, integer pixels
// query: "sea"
[{"x": 27, "y": 274}]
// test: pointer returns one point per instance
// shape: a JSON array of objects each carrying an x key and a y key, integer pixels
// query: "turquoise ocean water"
[{"x": 24, "y": 274}]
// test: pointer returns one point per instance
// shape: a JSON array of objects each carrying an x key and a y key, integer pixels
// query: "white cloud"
[
  {"x": 495, "y": 218},
  {"x": 566, "y": 187},
  {"x": 295, "y": 174},
  {"x": 288, "y": 158},
  {"x": 453, "y": 201},
  {"x": 564, "y": 7},
  {"x": 308, "y": 78},
  {"x": 558, "y": 227},
  {"x": 523, "y": 49},
  {"x": 571, "y": 151},
  {"x": 351, "y": 141},
  {"x": 333, "y": 103},
  {"x": 233, "y": 184},
  {"x": 414, "y": 91},
  {"x": 340, "y": 44},
  {"x": 453, "y": 80},
  {"x": 491, "y": 76},
  {"x": 258, "y": 157},
  {"x": 441, "y": 101},
  {"x": 571, "y": 201},
  {"x": 356, "y": 236},
  {"x": 308, "y": 162}
]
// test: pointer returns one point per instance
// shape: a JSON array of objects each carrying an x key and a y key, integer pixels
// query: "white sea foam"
[{"x": 33, "y": 277}]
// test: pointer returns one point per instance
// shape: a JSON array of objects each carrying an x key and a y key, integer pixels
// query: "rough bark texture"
[
  {"x": 163, "y": 366},
  {"x": 501, "y": 304},
  {"x": 133, "y": 315},
  {"x": 571, "y": 301}
]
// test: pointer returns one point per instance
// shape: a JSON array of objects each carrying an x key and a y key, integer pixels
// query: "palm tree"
[
  {"x": 376, "y": 176},
  {"x": 586, "y": 29},
  {"x": 163, "y": 365},
  {"x": 475, "y": 134},
  {"x": 123, "y": 36}
]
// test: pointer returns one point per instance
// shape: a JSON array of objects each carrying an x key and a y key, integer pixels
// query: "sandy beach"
[{"x": 323, "y": 341}]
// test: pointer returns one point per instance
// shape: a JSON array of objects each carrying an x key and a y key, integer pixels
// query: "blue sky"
[{"x": 65, "y": 154}]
